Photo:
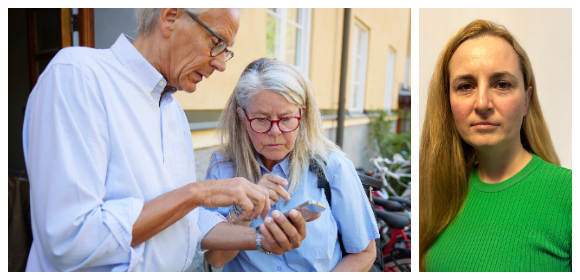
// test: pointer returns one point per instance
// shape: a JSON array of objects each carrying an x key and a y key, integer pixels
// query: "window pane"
[
  {"x": 291, "y": 43},
  {"x": 299, "y": 45},
  {"x": 359, "y": 64},
  {"x": 272, "y": 38},
  {"x": 292, "y": 14},
  {"x": 355, "y": 45},
  {"x": 361, "y": 42},
  {"x": 286, "y": 40},
  {"x": 359, "y": 67},
  {"x": 355, "y": 96}
]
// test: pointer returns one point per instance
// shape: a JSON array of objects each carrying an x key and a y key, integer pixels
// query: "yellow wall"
[
  {"x": 325, "y": 56},
  {"x": 409, "y": 51}
]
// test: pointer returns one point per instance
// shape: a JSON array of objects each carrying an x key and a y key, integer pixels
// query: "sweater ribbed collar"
[{"x": 479, "y": 185}]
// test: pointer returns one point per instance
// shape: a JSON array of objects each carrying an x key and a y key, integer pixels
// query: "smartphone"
[{"x": 308, "y": 209}]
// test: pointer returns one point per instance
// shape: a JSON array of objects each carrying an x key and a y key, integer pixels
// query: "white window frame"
[
  {"x": 303, "y": 44},
  {"x": 390, "y": 78},
  {"x": 359, "y": 62}
]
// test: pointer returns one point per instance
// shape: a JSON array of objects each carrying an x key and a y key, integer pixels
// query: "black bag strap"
[{"x": 324, "y": 184}]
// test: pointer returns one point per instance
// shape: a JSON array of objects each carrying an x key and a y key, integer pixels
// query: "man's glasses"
[
  {"x": 263, "y": 125},
  {"x": 220, "y": 46}
]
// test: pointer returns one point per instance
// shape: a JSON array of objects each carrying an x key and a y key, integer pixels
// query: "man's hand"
[
  {"x": 239, "y": 192},
  {"x": 273, "y": 184},
  {"x": 279, "y": 235}
]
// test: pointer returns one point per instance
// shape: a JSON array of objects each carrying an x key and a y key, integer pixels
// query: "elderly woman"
[
  {"x": 492, "y": 195},
  {"x": 271, "y": 133}
]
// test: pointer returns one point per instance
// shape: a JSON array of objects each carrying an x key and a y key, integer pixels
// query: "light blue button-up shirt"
[
  {"x": 351, "y": 215},
  {"x": 98, "y": 144}
]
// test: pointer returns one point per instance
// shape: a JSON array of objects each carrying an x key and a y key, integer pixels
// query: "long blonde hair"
[
  {"x": 310, "y": 144},
  {"x": 445, "y": 160}
]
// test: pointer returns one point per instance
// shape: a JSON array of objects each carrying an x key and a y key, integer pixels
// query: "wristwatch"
[{"x": 259, "y": 242}]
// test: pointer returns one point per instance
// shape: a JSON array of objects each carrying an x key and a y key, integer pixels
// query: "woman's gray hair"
[
  {"x": 310, "y": 146},
  {"x": 147, "y": 19}
]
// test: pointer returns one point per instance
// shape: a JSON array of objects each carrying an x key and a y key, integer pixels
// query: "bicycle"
[
  {"x": 402, "y": 169},
  {"x": 394, "y": 227},
  {"x": 398, "y": 246}
]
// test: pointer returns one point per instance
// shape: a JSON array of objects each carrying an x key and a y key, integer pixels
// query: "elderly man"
[{"x": 110, "y": 159}]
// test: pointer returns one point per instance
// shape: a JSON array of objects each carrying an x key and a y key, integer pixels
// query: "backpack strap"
[
  {"x": 378, "y": 265},
  {"x": 324, "y": 184}
]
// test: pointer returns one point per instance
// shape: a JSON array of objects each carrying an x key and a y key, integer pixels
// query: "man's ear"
[{"x": 167, "y": 19}]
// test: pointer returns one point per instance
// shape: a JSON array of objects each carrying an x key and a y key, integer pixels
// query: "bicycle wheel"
[{"x": 399, "y": 265}]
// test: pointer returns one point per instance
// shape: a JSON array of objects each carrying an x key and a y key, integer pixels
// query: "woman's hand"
[
  {"x": 273, "y": 184},
  {"x": 279, "y": 235}
]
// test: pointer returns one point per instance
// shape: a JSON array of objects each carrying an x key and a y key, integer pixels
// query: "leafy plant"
[{"x": 390, "y": 142}]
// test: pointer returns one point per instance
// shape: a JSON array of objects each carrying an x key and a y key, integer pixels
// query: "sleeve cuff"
[
  {"x": 207, "y": 220},
  {"x": 120, "y": 216}
]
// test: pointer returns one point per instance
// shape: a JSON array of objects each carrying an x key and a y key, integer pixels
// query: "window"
[
  {"x": 288, "y": 36},
  {"x": 390, "y": 79},
  {"x": 359, "y": 68}
]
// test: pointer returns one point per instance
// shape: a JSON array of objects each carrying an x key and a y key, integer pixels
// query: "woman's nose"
[
  {"x": 483, "y": 102},
  {"x": 275, "y": 129}
]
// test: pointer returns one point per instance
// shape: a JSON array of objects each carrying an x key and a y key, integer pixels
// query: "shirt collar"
[
  {"x": 282, "y": 165},
  {"x": 151, "y": 80}
]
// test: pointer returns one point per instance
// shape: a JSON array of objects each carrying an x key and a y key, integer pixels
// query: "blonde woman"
[
  {"x": 271, "y": 133},
  {"x": 492, "y": 195}
]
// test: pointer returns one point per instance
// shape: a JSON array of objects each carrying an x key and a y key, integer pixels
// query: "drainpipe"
[{"x": 343, "y": 69}]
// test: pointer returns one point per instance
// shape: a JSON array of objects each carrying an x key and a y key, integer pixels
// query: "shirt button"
[
  {"x": 147, "y": 88},
  {"x": 279, "y": 268},
  {"x": 161, "y": 83}
]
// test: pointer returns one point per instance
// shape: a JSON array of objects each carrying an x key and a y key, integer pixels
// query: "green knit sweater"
[{"x": 521, "y": 224}]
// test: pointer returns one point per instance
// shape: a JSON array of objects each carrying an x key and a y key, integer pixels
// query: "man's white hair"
[{"x": 147, "y": 18}]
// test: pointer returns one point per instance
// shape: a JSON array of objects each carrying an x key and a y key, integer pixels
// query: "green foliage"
[
  {"x": 272, "y": 27},
  {"x": 390, "y": 142}
]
